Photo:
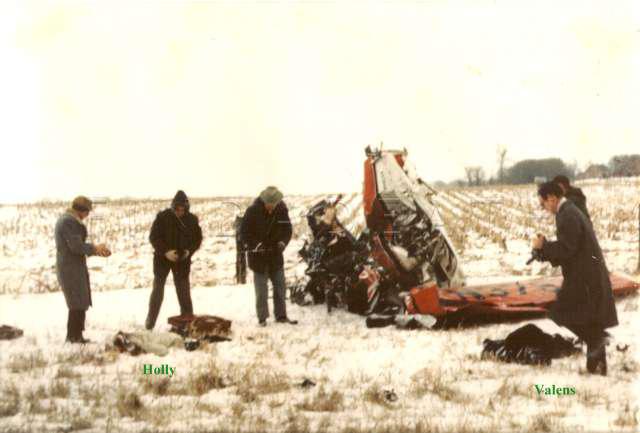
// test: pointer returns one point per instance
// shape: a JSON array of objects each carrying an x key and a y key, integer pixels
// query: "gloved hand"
[
  {"x": 171, "y": 255},
  {"x": 281, "y": 246},
  {"x": 185, "y": 255}
]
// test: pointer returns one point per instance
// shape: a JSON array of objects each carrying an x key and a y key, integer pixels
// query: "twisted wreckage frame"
[{"x": 404, "y": 263}]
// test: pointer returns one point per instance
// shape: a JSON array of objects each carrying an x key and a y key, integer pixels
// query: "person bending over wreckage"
[
  {"x": 175, "y": 236},
  {"x": 585, "y": 301},
  {"x": 266, "y": 231},
  {"x": 71, "y": 264}
]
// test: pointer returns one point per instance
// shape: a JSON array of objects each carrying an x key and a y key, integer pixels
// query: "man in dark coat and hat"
[
  {"x": 72, "y": 250},
  {"x": 175, "y": 236},
  {"x": 572, "y": 193},
  {"x": 585, "y": 302},
  {"x": 266, "y": 231}
]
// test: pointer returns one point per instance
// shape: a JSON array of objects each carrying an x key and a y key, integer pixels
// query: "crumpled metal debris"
[
  {"x": 335, "y": 259},
  {"x": 425, "y": 247},
  {"x": 402, "y": 216},
  {"x": 404, "y": 246},
  {"x": 342, "y": 271}
]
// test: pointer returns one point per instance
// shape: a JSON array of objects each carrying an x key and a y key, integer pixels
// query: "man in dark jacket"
[
  {"x": 574, "y": 194},
  {"x": 585, "y": 302},
  {"x": 266, "y": 231},
  {"x": 176, "y": 236},
  {"x": 71, "y": 264}
]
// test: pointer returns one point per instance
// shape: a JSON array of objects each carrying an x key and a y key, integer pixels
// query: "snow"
[
  {"x": 438, "y": 376},
  {"x": 336, "y": 351}
]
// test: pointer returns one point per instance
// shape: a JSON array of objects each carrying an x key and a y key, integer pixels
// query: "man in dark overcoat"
[
  {"x": 573, "y": 193},
  {"x": 266, "y": 231},
  {"x": 585, "y": 303},
  {"x": 175, "y": 236},
  {"x": 72, "y": 250}
]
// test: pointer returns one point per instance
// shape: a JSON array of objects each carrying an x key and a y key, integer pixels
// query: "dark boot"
[
  {"x": 75, "y": 326},
  {"x": 597, "y": 357},
  {"x": 82, "y": 316},
  {"x": 603, "y": 361},
  {"x": 71, "y": 326}
]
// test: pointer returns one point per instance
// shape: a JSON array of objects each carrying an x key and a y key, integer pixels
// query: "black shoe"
[
  {"x": 287, "y": 320},
  {"x": 78, "y": 340},
  {"x": 262, "y": 323}
]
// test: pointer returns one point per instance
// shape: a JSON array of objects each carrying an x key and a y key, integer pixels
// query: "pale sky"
[{"x": 143, "y": 98}]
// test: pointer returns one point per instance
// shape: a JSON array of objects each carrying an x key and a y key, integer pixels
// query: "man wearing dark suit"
[
  {"x": 585, "y": 302},
  {"x": 572, "y": 193}
]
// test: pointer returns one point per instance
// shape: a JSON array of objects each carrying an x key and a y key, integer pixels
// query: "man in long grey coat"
[
  {"x": 71, "y": 264},
  {"x": 585, "y": 303}
]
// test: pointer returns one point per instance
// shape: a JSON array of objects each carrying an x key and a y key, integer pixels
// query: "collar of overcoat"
[
  {"x": 75, "y": 217},
  {"x": 561, "y": 204}
]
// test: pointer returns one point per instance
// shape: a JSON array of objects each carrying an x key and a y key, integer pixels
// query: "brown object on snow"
[
  {"x": 9, "y": 332},
  {"x": 201, "y": 327}
]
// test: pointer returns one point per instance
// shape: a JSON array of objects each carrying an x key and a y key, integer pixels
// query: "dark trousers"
[
  {"x": 75, "y": 324},
  {"x": 180, "y": 271},
  {"x": 241, "y": 266},
  {"x": 593, "y": 335}
]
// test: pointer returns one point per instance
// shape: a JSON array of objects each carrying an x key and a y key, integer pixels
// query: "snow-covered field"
[{"x": 252, "y": 382}]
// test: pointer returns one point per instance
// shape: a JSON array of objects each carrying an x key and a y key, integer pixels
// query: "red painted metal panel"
[{"x": 531, "y": 296}]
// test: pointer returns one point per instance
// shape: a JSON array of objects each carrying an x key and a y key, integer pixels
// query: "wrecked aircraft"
[
  {"x": 404, "y": 261},
  {"x": 408, "y": 235},
  {"x": 335, "y": 260},
  {"x": 405, "y": 244}
]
